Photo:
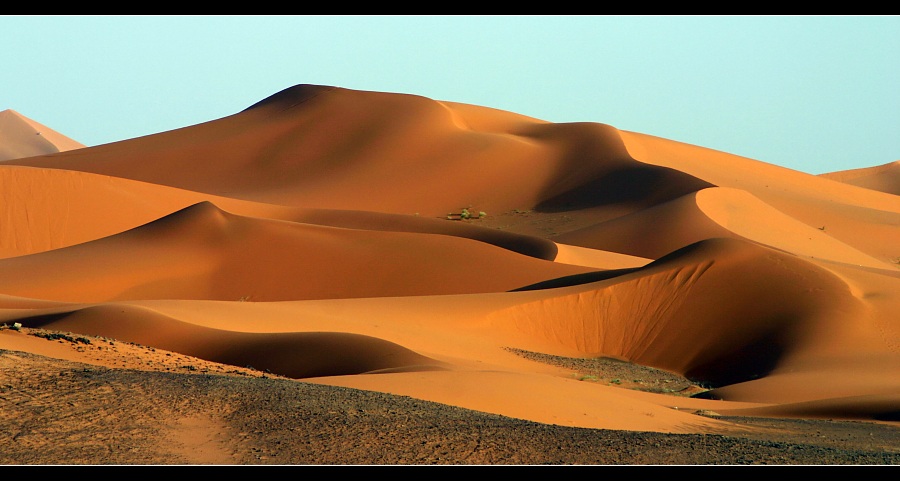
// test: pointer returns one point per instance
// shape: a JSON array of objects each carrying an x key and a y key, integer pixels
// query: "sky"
[{"x": 811, "y": 93}]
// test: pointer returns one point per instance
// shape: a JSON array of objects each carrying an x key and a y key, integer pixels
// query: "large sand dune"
[{"x": 398, "y": 244}]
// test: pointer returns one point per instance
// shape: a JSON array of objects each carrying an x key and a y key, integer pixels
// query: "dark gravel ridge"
[{"x": 55, "y": 412}]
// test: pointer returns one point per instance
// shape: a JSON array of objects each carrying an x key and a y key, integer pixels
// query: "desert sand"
[{"x": 568, "y": 279}]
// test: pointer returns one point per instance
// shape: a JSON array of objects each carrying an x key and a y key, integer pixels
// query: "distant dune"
[
  {"x": 399, "y": 244},
  {"x": 883, "y": 178},
  {"x": 23, "y": 137}
]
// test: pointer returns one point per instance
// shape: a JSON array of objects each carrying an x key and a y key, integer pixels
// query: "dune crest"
[
  {"x": 203, "y": 252},
  {"x": 23, "y": 137}
]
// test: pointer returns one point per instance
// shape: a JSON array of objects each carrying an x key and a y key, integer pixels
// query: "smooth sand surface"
[
  {"x": 399, "y": 244},
  {"x": 23, "y": 137},
  {"x": 884, "y": 178}
]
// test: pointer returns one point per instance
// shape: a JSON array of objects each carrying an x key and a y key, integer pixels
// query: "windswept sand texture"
[{"x": 543, "y": 277}]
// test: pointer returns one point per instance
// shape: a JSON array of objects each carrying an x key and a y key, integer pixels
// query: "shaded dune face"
[
  {"x": 297, "y": 354},
  {"x": 339, "y": 149},
  {"x": 594, "y": 169},
  {"x": 881, "y": 407},
  {"x": 720, "y": 311},
  {"x": 202, "y": 252},
  {"x": 651, "y": 232},
  {"x": 333, "y": 148}
]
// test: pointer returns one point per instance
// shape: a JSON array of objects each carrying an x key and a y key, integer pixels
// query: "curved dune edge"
[
  {"x": 845, "y": 211},
  {"x": 66, "y": 204},
  {"x": 292, "y": 354},
  {"x": 202, "y": 252},
  {"x": 649, "y": 233},
  {"x": 716, "y": 212},
  {"x": 669, "y": 314},
  {"x": 71, "y": 207},
  {"x": 748, "y": 217},
  {"x": 411, "y": 147},
  {"x": 583, "y": 256},
  {"x": 766, "y": 181}
]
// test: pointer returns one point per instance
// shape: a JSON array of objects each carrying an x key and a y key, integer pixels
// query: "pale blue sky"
[{"x": 811, "y": 93}]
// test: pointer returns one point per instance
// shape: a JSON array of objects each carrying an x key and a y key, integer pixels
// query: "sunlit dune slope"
[
  {"x": 720, "y": 311},
  {"x": 47, "y": 209},
  {"x": 23, "y": 137},
  {"x": 334, "y": 148},
  {"x": 711, "y": 213},
  {"x": 883, "y": 178},
  {"x": 319, "y": 235},
  {"x": 864, "y": 219},
  {"x": 202, "y": 252}
]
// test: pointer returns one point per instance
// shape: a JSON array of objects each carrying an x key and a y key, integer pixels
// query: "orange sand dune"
[
  {"x": 318, "y": 235},
  {"x": 65, "y": 208},
  {"x": 202, "y": 252},
  {"x": 712, "y": 213},
  {"x": 23, "y": 137},
  {"x": 861, "y": 218},
  {"x": 334, "y": 148},
  {"x": 705, "y": 311},
  {"x": 883, "y": 178}
]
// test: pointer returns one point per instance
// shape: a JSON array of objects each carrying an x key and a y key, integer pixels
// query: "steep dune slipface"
[
  {"x": 849, "y": 362},
  {"x": 720, "y": 311}
]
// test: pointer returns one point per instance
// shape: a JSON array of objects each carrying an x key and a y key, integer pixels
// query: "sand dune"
[
  {"x": 202, "y": 252},
  {"x": 23, "y": 137},
  {"x": 394, "y": 243},
  {"x": 883, "y": 178}
]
